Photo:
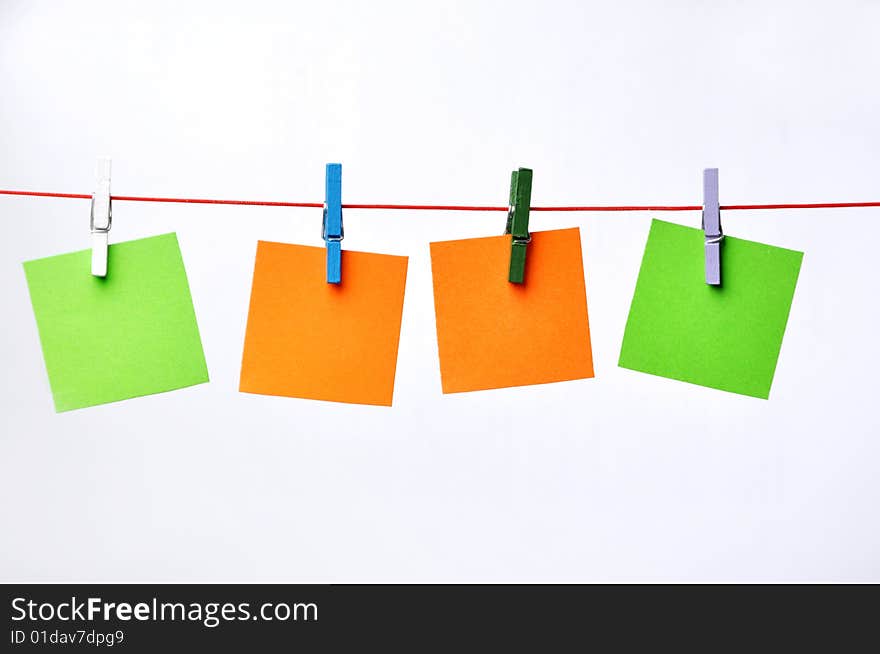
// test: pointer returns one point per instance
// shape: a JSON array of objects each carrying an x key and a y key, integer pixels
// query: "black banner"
[{"x": 412, "y": 618}]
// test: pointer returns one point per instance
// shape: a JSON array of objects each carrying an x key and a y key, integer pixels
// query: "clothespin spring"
[
  {"x": 327, "y": 237},
  {"x": 96, "y": 228}
]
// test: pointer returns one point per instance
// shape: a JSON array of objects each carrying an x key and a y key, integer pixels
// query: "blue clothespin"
[
  {"x": 332, "y": 230},
  {"x": 712, "y": 226}
]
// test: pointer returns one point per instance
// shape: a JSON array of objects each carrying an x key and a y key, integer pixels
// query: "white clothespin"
[{"x": 101, "y": 217}]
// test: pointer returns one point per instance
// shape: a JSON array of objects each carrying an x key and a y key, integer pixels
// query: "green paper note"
[
  {"x": 726, "y": 337},
  {"x": 130, "y": 334}
]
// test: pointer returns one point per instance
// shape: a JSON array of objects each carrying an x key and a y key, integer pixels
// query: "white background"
[{"x": 622, "y": 477}]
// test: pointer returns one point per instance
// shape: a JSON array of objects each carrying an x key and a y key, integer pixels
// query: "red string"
[{"x": 452, "y": 207}]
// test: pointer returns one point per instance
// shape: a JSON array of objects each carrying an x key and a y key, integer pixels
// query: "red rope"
[{"x": 451, "y": 207}]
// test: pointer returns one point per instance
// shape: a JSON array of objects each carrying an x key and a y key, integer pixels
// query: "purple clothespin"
[{"x": 712, "y": 226}]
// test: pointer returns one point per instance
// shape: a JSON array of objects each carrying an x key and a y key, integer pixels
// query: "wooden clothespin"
[
  {"x": 518, "y": 222},
  {"x": 101, "y": 217},
  {"x": 712, "y": 226},
  {"x": 332, "y": 230}
]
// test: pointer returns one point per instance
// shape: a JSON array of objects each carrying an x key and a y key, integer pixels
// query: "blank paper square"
[
  {"x": 310, "y": 339},
  {"x": 111, "y": 338},
  {"x": 726, "y": 337},
  {"x": 492, "y": 333}
]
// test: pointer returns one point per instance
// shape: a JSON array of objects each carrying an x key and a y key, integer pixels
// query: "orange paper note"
[
  {"x": 494, "y": 334},
  {"x": 307, "y": 338}
]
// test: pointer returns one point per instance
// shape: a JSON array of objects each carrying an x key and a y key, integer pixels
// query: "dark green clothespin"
[{"x": 518, "y": 222}]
